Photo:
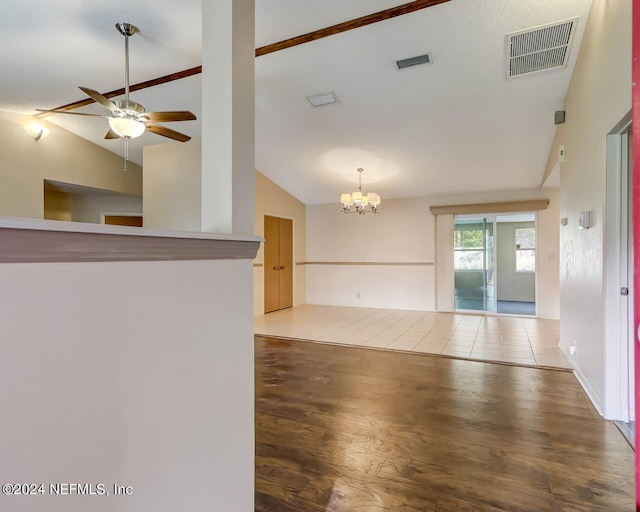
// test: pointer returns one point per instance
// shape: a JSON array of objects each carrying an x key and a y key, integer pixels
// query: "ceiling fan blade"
[
  {"x": 67, "y": 112},
  {"x": 99, "y": 98},
  {"x": 167, "y": 132},
  {"x": 167, "y": 117},
  {"x": 111, "y": 135}
]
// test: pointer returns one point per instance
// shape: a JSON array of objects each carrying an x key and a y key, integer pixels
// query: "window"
[
  {"x": 525, "y": 249},
  {"x": 468, "y": 249}
]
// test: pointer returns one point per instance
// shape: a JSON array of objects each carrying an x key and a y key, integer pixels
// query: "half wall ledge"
[{"x": 50, "y": 241}]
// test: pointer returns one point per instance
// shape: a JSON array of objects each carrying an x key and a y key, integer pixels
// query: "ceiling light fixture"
[
  {"x": 357, "y": 202},
  {"x": 126, "y": 127},
  {"x": 37, "y": 131}
]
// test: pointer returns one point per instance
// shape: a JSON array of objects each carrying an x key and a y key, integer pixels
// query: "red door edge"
[{"x": 635, "y": 113}]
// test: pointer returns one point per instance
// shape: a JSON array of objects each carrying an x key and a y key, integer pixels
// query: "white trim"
[
  {"x": 593, "y": 396},
  {"x": 616, "y": 363},
  {"x": 51, "y": 241}
]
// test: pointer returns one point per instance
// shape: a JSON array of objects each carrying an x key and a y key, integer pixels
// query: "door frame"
[
  {"x": 618, "y": 377},
  {"x": 635, "y": 100}
]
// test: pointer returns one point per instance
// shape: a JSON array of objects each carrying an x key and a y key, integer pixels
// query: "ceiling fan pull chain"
[{"x": 126, "y": 153}]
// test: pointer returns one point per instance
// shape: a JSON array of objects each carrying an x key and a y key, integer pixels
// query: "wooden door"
[
  {"x": 271, "y": 264},
  {"x": 278, "y": 263}
]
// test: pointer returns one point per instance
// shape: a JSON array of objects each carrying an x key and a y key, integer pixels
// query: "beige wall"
[
  {"x": 57, "y": 204},
  {"x": 62, "y": 156},
  {"x": 402, "y": 234},
  {"x": 91, "y": 207},
  {"x": 272, "y": 200},
  {"x": 173, "y": 186},
  {"x": 598, "y": 97},
  {"x": 79, "y": 206}
]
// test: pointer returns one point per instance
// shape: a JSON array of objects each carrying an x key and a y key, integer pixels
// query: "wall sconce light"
[
  {"x": 584, "y": 221},
  {"x": 36, "y": 130}
]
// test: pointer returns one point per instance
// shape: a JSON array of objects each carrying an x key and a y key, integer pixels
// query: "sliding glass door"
[
  {"x": 473, "y": 264},
  {"x": 494, "y": 263}
]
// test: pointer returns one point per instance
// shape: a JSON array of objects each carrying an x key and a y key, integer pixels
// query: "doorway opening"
[{"x": 495, "y": 263}]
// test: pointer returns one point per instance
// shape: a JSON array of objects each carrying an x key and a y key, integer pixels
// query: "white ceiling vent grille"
[
  {"x": 540, "y": 48},
  {"x": 414, "y": 61}
]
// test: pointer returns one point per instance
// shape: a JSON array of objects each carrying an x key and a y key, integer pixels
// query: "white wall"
[
  {"x": 272, "y": 200},
  {"x": 62, "y": 156},
  {"x": 136, "y": 373},
  {"x": 404, "y": 232},
  {"x": 598, "y": 97}
]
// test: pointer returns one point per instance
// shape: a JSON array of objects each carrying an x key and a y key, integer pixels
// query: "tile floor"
[{"x": 526, "y": 341}]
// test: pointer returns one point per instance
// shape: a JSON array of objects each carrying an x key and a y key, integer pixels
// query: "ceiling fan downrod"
[{"x": 127, "y": 30}]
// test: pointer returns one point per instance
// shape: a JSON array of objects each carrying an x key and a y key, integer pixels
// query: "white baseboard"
[{"x": 593, "y": 396}]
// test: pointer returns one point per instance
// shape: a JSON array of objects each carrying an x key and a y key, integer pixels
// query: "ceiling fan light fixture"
[{"x": 126, "y": 128}]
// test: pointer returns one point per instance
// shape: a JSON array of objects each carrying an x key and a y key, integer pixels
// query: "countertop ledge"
[{"x": 40, "y": 241}]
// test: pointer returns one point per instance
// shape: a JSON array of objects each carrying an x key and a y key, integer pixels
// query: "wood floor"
[{"x": 346, "y": 429}]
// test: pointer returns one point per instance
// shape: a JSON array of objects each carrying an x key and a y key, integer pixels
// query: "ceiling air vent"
[
  {"x": 414, "y": 61},
  {"x": 320, "y": 100},
  {"x": 540, "y": 48}
]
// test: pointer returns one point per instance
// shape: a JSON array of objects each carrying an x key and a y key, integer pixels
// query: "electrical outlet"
[
  {"x": 561, "y": 154},
  {"x": 572, "y": 348}
]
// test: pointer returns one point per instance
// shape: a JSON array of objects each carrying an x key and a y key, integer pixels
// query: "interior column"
[{"x": 228, "y": 54}]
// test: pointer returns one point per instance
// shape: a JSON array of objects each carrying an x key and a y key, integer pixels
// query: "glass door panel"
[{"x": 474, "y": 277}]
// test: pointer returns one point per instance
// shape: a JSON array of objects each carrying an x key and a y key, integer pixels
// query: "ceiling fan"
[{"x": 129, "y": 119}]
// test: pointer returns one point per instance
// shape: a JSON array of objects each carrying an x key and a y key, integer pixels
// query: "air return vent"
[
  {"x": 540, "y": 48},
  {"x": 414, "y": 61}
]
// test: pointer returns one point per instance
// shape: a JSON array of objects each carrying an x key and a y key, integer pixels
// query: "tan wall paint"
[
  {"x": 599, "y": 96},
  {"x": 272, "y": 200},
  {"x": 91, "y": 207},
  {"x": 173, "y": 186},
  {"x": 62, "y": 156},
  {"x": 57, "y": 204}
]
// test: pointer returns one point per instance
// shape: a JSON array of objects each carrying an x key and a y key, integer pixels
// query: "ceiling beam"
[
  {"x": 348, "y": 25},
  {"x": 135, "y": 87},
  {"x": 270, "y": 48}
]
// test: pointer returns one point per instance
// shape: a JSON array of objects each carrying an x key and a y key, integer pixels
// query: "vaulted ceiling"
[{"x": 454, "y": 125}]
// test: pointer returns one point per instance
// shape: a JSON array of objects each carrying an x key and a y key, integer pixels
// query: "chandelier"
[{"x": 357, "y": 202}]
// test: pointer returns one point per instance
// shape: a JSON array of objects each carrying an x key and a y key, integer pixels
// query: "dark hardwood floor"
[{"x": 352, "y": 429}]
